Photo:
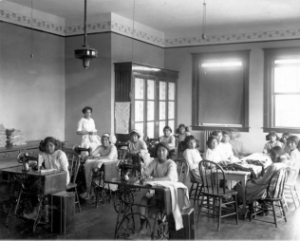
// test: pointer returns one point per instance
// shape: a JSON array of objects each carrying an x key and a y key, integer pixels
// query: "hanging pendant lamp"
[{"x": 85, "y": 53}]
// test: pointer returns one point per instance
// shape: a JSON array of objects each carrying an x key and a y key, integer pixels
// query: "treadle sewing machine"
[
  {"x": 32, "y": 184},
  {"x": 77, "y": 149}
]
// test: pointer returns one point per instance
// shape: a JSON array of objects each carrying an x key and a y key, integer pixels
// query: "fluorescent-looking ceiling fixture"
[
  {"x": 145, "y": 68},
  {"x": 221, "y": 64},
  {"x": 287, "y": 61}
]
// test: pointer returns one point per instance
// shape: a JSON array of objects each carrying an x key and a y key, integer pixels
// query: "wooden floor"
[{"x": 99, "y": 223}]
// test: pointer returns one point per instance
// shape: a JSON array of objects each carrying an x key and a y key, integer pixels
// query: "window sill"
[
  {"x": 221, "y": 128},
  {"x": 281, "y": 129}
]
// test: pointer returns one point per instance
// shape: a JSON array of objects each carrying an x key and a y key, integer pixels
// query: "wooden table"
[{"x": 237, "y": 176}]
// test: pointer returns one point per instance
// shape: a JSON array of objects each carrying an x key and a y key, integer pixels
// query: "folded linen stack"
[
  {"x": 15, "y": 137},
  {"x": 2, "y": 136}
]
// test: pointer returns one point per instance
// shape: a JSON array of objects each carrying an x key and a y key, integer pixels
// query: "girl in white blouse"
[
  {"x": 273, "y": 140},
  {"x": 192, "y": 157},
  {"x": 212, "y": 153},
  {"x": 105, "y": 153},
  {"x": 52, "y": 158},
  {"x": 168, "y": 137},
  {"x": 87, "y": 129},
  {"x": 182, "y": 132}
]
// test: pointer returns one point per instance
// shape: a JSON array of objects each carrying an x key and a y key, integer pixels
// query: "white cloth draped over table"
[
  {"x": 57, "y": 160},
  {"x": 87, "y": 141},
  {"x": 174, "y": 186},
  {"x": 103, "y": 155}
]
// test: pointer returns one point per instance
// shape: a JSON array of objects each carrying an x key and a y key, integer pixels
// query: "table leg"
[{"x": 244, "y": 210}]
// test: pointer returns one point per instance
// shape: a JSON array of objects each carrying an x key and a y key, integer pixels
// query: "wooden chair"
[
  {"x": 183, "y": 172},
  {"x": 274, "y": 195},
  {"x": 74, "y": 164},
  {"x": 290, "y": 189},
  {"x": 211, "y": 175}
]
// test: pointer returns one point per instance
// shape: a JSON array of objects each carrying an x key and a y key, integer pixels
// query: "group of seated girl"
[{"x": 219, "y": 147}]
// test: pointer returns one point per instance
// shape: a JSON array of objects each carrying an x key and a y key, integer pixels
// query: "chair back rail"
[
  {"x": 74, "y": 163},
  {"x": 276, "y": 184},
  {"x": 209, "y": 172},
  {"x": 183, "y": 172}
]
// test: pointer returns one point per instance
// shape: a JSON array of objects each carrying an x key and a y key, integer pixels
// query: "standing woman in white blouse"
[
  {"x": 87, "y": 129},
  {"x": 52, "y": 157}
]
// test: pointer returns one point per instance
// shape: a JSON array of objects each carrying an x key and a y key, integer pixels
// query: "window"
[
  {"x": 220, "y": 90},
  {"x": 154, "y": 105},
  {"x": 282, "y": 90}
]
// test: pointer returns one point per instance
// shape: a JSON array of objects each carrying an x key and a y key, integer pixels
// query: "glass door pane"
[
  {"x": 171, "y": 111},
  {"x": 162, "y": 124},
  {"x": 139, "y": 88},
  {"x": 139, "y": 110},
  {"x": 150, "y": 89},
  {"x": 150, "y": 111},
  {"x": 162, "y": 90},
  {"x": 150, "y": 129},
  {"x": 172, "y": 91},
  {"x": 162, "y": 110}
]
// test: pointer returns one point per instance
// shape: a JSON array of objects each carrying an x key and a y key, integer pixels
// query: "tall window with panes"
[{"x": 282, "y": 89}]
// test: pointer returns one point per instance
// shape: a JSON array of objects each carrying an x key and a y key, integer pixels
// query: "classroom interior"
[{"x": 44, "y": 87}]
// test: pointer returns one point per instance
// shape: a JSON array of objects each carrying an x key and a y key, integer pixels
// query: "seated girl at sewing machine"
[
  {"x": 213, "y": 153},
  {"x": 168, "y": 137},
  {"x": 257, "y": 188},
  {"x": 182, "y": 132},
  {"x": 138, "y": 147},
  {"x": 160, "y": 169},
  {"x": 53, "y": 158},
  {"x": 192, "y": 156},
  {"x": 273, "y": 140},
  {"x": 294, "y": 162},
  {"x": 104, "y": 153}
]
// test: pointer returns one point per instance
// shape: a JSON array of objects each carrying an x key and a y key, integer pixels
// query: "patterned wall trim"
[
  {"x": 234, "y": 38},
  {"x": 18, "y": 19},
  {"x": 8, "y": 16}
]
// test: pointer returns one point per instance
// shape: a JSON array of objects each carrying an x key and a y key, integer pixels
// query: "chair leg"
[
  {"x": 274, "y": 214},
  {"x": 77, "y": 198},
  {"x": 200, "y": 207},
  {"x": 192, "y": 188},
  {"x": 220, "y": 213},
  {"x": 196, "y": 193},
  {"x": 251, "y": 209},
  {"x": 285, "y": 202},
  {"x": 236, "y": 210},
  {"x": 293, "y": 197},
  {"x": 284, "y": 216}
]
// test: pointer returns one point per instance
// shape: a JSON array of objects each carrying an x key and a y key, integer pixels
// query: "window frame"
[
  {"x": 270, "y": 55},
  {"x": 197, "y": 58}
]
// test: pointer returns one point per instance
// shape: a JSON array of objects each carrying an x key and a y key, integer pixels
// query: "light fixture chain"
[
  {"x": 84, "y": 24},
  {"x": 31, "y": 34},
  {"x": 133, "y": 20}
]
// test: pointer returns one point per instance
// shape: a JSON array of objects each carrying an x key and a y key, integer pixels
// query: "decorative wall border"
[
  {"x": 22, "y": 20},
  {"x": 234, "y": 38},
  {"x": 18, "y": 19}
]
